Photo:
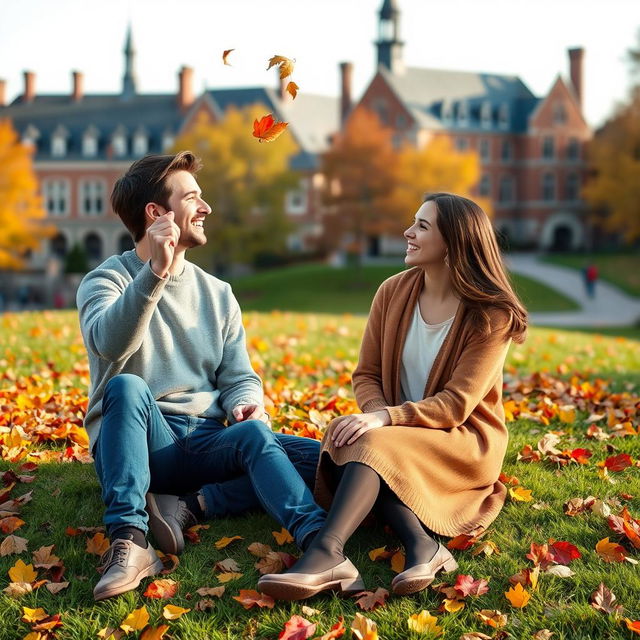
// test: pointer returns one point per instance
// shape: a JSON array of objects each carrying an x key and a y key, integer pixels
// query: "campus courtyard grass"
[{"x": 582, "y": 388}]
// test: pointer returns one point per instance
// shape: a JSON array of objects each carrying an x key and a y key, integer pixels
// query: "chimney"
[
  {"x": 186, "y": 96},
  {"x": 576, "y": 58},
  {"x": 29, "y": 86},
  {"x": 78, "y": 86},
  {"x": 346, "y": 72},
  {"x": 3, "y": 92}
]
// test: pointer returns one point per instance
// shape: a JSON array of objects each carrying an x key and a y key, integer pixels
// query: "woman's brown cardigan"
[{"x": 442, "y": 455}]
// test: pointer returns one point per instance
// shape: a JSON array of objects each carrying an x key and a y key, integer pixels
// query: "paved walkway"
[{"x": 611, "y": 307}]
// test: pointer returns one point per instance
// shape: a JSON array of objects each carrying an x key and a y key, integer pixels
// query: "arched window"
[
  {"x": 93, "y": 246},
  {"x": 58, "y": 246}
]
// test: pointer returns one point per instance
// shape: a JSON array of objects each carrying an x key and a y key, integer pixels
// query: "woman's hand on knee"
[{"x": 348, "y": 429}]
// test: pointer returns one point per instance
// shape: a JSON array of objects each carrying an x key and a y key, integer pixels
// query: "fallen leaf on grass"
[
  {"x": 258, "y": 549},
  {"x": 136, "y": 620},
  {"x": 493, "y": 618},
  {"x": 154, "y": 633},
  {"x": 21, "y": 572},
  {"x": 13, "y": 544},
  {"x": 97, "y": 544},
  {"x": 229, "y": 576},
  {"x": 475, "y": 635},
  {"x": 617, "y": 463},
  {"x": 560, "y": 571},
  {"x": 173, "y": 612},
  {"x": 633, "y": 625},
  {"x": 10, "y": 524},
  {"x": 225, "y": 542},
  {"x": 56, "y": 587},
  {"x": 466, "y": 586},
  {"x": 44, "y": 559},
  {"x": 543, "y": 634},
  {"x": 487, "y": 547},
  {"x": 228, "y": 565},
  {"x": 364, "y": 628},
  {"x": 397, "y": 561},
  {"x": 381, "y": 553},
  {"x": 611, "y": 551},
  {"x": 602, "y": 599},
  {"x": 563, "y": 552},
  {"x": 297, "y": 628},
  {"x": 271, "y": 563},
  {"x": 518, "y": 596},
  {"x": 282, "y": 536},
  {"x": 520, "y": 494},
  {"x": 162, "y": 588},
  {"x": 336, "y": 631},
  {"x": 211, "y": 591},
  {"x": 170, "y": 562},
  {"x": 33, "y": 615},
  {"x": 424, "y": 622},
  {"x": 249, "y": 598},
  {"x": 540, "y": 555},
  {"x": 109, "y": 633},
  {"x": 452, "y": 605},
  {"x": 369, "y": 600},
  {"x": 462, "y": 542}
]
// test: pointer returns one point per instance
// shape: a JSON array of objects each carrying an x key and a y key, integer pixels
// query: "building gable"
[{"x": 559, "y": 109}]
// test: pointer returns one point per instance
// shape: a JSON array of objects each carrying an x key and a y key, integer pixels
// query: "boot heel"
[
  {"x": 352, "y": 585},
  {"x": 450, "y": 565}
]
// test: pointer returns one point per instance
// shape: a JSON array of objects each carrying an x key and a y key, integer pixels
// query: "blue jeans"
[{"x": 236, "y": 468}]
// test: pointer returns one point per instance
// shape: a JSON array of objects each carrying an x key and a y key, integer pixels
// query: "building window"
[
  {"x": 506, "y": 191},
  {"x": 30, "y": 136},
  {"x": 381, "y": 109},
  {"x": 548, "y": 148},
  {"x": 93, "y": 247},
  {"x": 485, "y": 150},
  {"x": 485, "y": 115},
  {"x": 506, "y": 151},
  {"x": 572, "y": 187},
  {"x": 92, "y": 197},
  {"x": 559, "y": 113},
  {"x": 485, "y": 186},
  {"x": 140, "y": 143},
  {"x": 548, "y": 187},
  {"x": 119, "y": 143},
  {"x": 503, "y": 116},
  {"x": 447, "y": 112},
  {"x": 125, "y": 243},
  {"x": 296, "y": 200},
  {"x": 89, "y": 146},
  {"x": 573, "y": 149},
  {"x": 463, "y": 114},
  {"x": 56, "y": 197},
  {"x": 58, "y": 246},
  {"x": 462, "y": 144},
  {"x": 58, "y": 146},
  {"x": 167, "y": 140}
]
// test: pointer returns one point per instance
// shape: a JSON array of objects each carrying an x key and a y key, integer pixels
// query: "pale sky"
[{"x": 528, "y": 38}]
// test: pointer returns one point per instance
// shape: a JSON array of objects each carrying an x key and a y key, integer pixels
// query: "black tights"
[{"x": 360, "y": 488}]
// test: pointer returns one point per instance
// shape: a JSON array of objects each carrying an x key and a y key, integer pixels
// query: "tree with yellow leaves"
[
  {"x": 245, "y": 182},
  {"x": 21, "y": 211}
]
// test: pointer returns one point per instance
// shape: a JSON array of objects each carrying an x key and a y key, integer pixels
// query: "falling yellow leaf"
[
  {"x": 173, "y": 612},
  {"x": 424, "y": 622},
  {"x": 286, "y": 65},
  {"x": 224, "y": 542},
  {"x": 282, "y": 536},
  {"x": 292, "y": 89},
  {"x": 136, "y": 620},
  {"x": 518, "y": 596},
  {"x": 21, "y": 572}
]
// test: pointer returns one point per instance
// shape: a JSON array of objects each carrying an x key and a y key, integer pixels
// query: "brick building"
[{"x": 531, "y": 148}]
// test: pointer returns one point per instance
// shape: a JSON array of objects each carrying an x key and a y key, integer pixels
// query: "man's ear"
[{"x": 152, "y": 211}]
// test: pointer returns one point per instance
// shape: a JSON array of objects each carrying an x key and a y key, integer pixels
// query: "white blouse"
[{"x": 421, "y": 347}]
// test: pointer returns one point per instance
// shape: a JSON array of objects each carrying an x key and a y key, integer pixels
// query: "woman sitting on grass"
[{"x": 428, "y": 449}]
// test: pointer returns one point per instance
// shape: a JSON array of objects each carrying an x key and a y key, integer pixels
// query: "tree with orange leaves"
[{"x": 21, "y": 211}]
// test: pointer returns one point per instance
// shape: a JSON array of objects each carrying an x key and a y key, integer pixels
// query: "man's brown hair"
[{"x": 146, "y": 181}]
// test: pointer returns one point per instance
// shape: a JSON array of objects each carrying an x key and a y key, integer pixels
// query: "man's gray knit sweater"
[{"x": 182, "y": 334}]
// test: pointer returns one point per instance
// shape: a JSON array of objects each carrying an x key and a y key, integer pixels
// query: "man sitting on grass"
[{"x": 176, "y": 419}]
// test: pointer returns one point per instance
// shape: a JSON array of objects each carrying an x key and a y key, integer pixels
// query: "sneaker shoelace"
[
  {"x": 116, "y": 555},
  {"x": 184, "y": 516}
]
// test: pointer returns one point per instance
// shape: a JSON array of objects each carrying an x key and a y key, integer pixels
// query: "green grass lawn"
[
  {"x": 305, "y": 358},
  {"x": 319, "y": 288},
  {"x": 622, "y": 270}
]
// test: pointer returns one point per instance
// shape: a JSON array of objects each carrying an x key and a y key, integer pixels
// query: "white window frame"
[
  {"x": 89, "y": 145},
  {"x": 58, "y": 190},
  {"x": 119, "y": 145},
  {"x": 140, "y": 144},
  {"x": 58, "y": 145},
  {"x": 97, "y": 189},
  {"x": 485, "y": 115},
  {"x": 503, "y": 116},
  {"x": 463, "y": 114}
]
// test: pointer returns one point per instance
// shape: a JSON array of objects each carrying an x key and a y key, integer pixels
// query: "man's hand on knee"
[{"x": 244, "y": 412}]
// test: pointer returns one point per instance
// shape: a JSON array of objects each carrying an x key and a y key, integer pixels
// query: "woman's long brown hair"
[{"x": 477, "y": 270}]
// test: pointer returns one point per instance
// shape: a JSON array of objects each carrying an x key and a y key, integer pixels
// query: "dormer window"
[
  {"x": 447, "y": 112},
  {"x": 485, "y": 115},
  {"x": 59, "y": 142},
  {"x": 463, "y": 114},
  {"x": 30, "y": 136},
  {"x": 503, "y": 116},
  {"x": 140, "y": 142},
  {"x": 90, "y": 143},
  {"x": 167, "y": 140},
  {"x": 119, "y": 142}
]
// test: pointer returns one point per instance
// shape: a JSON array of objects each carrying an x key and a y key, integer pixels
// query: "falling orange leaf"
[
  {"x": 292, "y": 89},
  {"x": 282, "y": 536},
  {"x": 224, "y": 542},
  {"x": 286, "y": 65},
  {"x": 267, "y": 129},
  {"x": 225, "y": 55}
]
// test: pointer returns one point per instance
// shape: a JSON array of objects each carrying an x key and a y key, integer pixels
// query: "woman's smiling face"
[{"x": 425, "y": 244}]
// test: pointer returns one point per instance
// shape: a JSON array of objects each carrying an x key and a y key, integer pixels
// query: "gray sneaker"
[
  {"x": 168, "y": 518},
  {"x": 124, "y": 565}
]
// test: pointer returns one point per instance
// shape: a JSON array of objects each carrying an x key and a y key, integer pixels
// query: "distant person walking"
[{"x": 590, "y": 279}]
